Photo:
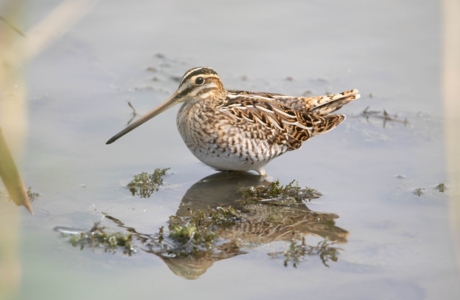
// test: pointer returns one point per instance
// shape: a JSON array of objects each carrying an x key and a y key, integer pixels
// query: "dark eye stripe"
[
  {"x": 184, "y": 92},
  {"x": 196, "y": 71}
]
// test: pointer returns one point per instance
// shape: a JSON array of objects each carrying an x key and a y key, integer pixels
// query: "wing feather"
[{"x": 284, "y": 119}]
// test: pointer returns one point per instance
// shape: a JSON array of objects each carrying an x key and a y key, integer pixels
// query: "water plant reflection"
[{"x": 225, "y": 215}]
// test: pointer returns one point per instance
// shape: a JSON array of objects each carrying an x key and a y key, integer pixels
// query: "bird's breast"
[{"x": 214, "y": 138}]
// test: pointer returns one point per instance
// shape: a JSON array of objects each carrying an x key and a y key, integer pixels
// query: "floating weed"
[
  {"x": 182, "y": 233},
  {"x": 103, "y": 238},
  {"x": 419, "y": 191},
  {"x": 441, "y": 187},
  {"x": 196, "y": 238},
  {"x": 32, "y": 195},
  {"x": 199, "y": 230},
  {"x": 277, "y": 194},
  {"x": 225, "y": 216},
  {"x": 383, "y": 115},
  {"x": 297, "y": 252},
  {"x": 144, "y": 184}
]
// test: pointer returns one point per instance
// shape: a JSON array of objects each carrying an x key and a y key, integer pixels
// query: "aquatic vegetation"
[
  {"x": 441, "y": 187},
  {"x": 298, "y": 252},
  {"x": 100, "y": 237},
  {"x": 187, "y": 235},
  {"x": 144, "y": 184},
  {"x": 200, "y": 230},
  {"x": 382, "y": 115},
  {"x": 32, "y": 195},
  {"x": 419, "y": 191},
  {"x": 275, "y": 193},
  {"x": 183, "y": 233},
  {"x": 196, "y": 237}
]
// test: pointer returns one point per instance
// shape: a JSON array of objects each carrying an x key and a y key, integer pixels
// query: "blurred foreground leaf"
[{"x": 10, "y": 176}]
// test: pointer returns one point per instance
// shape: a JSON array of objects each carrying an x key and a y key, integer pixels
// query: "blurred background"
[{"x": 69, "y": 68}]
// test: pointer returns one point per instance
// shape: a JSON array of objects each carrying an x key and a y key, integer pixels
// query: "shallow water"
[{"x": 398, "y": 244}]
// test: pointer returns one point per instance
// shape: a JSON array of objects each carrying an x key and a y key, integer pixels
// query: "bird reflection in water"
[{"x": 215, "y": 221}]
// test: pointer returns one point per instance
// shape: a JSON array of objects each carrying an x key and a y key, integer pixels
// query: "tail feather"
[
  {"x": 329, "y": 123},
  {"x": 324, "y": 105}
]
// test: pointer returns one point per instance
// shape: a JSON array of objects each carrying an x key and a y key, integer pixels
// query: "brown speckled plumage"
[{"x": 240, "y": 130}]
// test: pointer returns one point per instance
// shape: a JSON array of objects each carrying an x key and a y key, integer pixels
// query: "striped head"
[
  {"x": 197, "y": 84},
  {"x": 200, "y": 83}
]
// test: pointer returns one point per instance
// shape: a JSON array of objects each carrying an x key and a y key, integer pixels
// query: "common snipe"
[{"x": 239, "y": 130}]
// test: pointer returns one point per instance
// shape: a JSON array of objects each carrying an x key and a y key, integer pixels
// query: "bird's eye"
[{"x": 199, "y": 80}]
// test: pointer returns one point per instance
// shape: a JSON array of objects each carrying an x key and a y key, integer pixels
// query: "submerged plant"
[
  {"x": 32, "y": 195},
  {"x": 383, "y": 115},
  {"x": 277, "y": 193},
  {"x": 297, "y": 252},
  {"x": 419, "y": 191},
  {"x": 144, "y": 184},
  {"x": 99, "y": 237},
  {"x": 195, "y": 238},
  {"x": 199, "y": 230},
  {"x": 441, "y": 187}
]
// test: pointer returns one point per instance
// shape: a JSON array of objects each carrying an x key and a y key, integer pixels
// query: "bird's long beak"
[{"x": 173, "y": 100}]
